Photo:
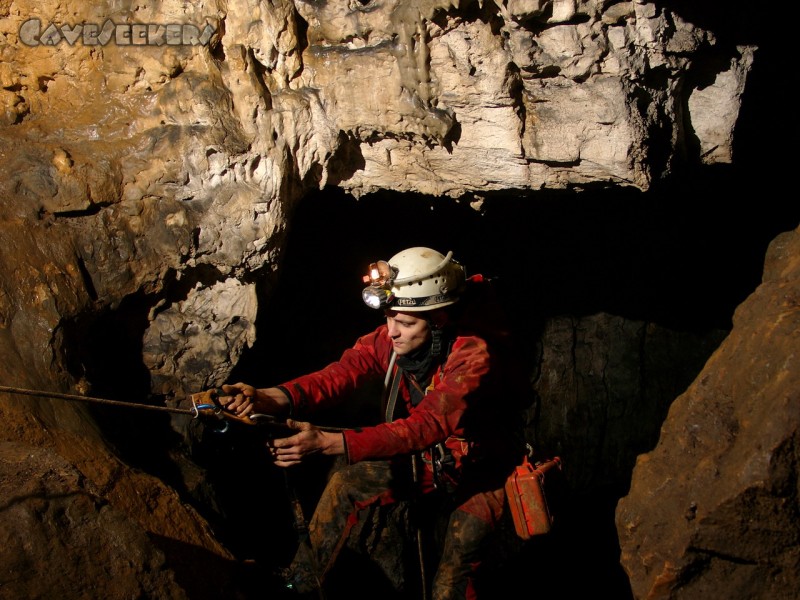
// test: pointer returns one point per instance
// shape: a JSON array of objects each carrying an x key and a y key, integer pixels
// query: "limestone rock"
[
  {"x": 76, "y": 518},
  {"x": 725, "y": 523},
  {"x": 215, "y": 120},
  {"x": 190, "y": 341}
]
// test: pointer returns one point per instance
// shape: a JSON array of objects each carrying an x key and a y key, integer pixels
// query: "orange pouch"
[{"x": 525, "y": 493}]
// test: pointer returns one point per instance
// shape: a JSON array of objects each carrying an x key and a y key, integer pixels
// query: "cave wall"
[
  {"x": 726, "y": 521},
  {"x": 151, "y": 177}
]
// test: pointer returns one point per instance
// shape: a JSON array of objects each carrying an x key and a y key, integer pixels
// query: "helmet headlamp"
[
  {"x": 377, "y": 297},
  {"x": 381, "y": 273},
  {"x": 380, "y": 279},
  {"x": 416, "y": 279}
]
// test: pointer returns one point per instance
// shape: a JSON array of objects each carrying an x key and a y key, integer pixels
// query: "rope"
[
  {"x": 253, "y": 419},
  {"x": 79, "y": 398}
]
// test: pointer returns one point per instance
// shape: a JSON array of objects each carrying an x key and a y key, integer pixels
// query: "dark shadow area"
[
  {"x": 250, "y": 507},
  {"x": 104, "y": 350},
  {"x": 683, "y": 256},
  {"x": 221, "y": 578}
]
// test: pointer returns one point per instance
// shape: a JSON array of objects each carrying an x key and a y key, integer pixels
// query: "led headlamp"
[
  {"x": 380, "y": 278},
  {"x": 376, "y": 297}
]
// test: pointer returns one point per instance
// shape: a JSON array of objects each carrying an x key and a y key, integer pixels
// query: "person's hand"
[
  {"x": 244, "y": 400},
  {"x": 308, "y": 440},
  {"x": 240, "y": 399}
]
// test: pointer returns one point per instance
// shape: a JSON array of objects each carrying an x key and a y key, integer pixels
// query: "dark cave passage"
[{"x": 682, "y": 256}]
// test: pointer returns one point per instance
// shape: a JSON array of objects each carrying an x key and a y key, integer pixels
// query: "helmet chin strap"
[
  {"x": 437, "y": 336},
  {"x": 438, "y": 325}
]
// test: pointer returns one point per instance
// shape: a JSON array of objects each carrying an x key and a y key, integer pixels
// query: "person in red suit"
[{"x": 452, "y": 429}]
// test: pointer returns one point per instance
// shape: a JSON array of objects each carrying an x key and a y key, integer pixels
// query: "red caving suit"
[{"x": 470, "y": 407}]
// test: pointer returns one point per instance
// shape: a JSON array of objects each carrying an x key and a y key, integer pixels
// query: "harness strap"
[
  {"x": 393, "y": 391},
  {"x": 396, "y": 374}
]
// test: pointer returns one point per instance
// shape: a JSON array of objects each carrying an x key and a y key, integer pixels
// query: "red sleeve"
[
  {"x": 368, "y": 358},
  {"x": 438, "y": 416}
]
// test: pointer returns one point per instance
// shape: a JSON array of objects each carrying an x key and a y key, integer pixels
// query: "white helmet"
[{"x": 415, "y": 279}]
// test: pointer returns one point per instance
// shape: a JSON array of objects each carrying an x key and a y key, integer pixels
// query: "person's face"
[{"x": 408, "y": 332}]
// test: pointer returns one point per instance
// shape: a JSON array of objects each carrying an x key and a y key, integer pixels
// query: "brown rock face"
[
  {"x": 154, "y": 157},
  {"x": 713, "y": 510},
  {"x": 77, "y": 520},
  {"x": 52, "y": 517}
]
